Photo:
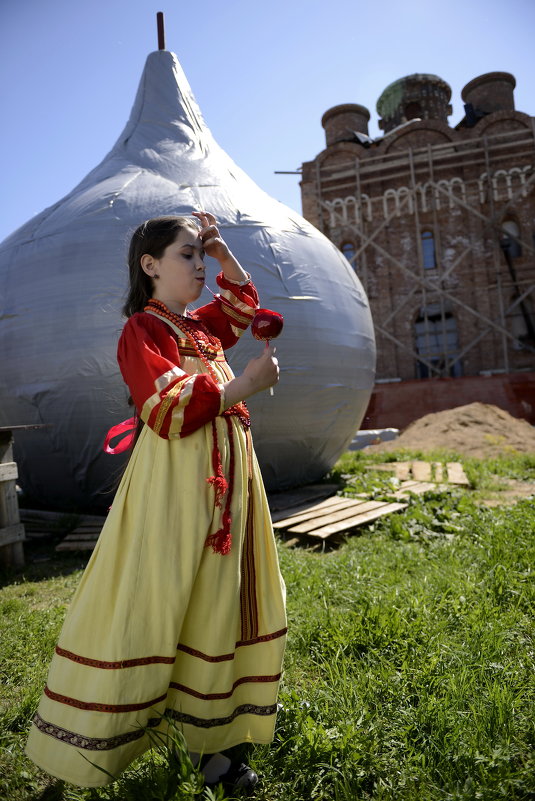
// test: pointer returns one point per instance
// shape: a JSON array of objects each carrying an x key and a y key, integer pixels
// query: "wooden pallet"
[
  {"x": 12, "y": 533},
  {"x": 300, "y": 513},
  {"x": 296, "y": 512},
  {"x": 450, "y": 473},
  {"x": 333, "y": 516},
  {"x": 85, "y": 535},
  {"x": 300, "y": 497},
  {"x": 409, "y": 487}
]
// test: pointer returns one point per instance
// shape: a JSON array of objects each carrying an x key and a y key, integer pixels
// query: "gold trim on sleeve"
[{"x": 173, "y": 393}]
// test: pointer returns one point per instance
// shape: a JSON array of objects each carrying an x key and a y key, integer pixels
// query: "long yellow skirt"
[{"x": 162, "y": 624}]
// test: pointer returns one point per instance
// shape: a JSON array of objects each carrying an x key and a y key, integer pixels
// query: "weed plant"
[{"x": 408, "y": 672}]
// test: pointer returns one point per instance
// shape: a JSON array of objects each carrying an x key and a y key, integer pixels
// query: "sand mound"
[{"x": 477, "y": 429}]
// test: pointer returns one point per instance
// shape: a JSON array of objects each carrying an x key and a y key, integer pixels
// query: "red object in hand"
[{"x": 266, "y": 324}]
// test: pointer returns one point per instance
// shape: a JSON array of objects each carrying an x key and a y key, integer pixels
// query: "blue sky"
[{"x": 263, "y": 74}]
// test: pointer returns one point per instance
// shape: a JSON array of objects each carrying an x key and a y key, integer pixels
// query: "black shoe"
[{"x": 239, "y": 778}]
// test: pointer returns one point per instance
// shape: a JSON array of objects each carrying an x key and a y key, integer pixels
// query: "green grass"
[{"x": 409, "y": 667}]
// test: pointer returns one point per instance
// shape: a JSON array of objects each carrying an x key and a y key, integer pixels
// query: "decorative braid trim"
[
  {"x": 109, "y": 743},
  {"x": 248, "y": 600},
  {"x": 236, "y": 315},
  {"x": 123, "y": 663},
  {"x": 164, "y": 660},
  {"x": 217, "y": 696},
  {"x": 90, "y": 743},
  {"x": 95, "y": 707},
  {"x": 210, "y": 723},
  {"x": 227, "y": 657},
  {"x": 173, "y": 393},
  {"x": 263, "y": 638}
]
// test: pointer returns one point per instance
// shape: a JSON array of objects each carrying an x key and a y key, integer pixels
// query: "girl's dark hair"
[{"x": 152, "y": 237}]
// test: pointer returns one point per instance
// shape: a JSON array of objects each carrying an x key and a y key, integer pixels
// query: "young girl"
[{"x": 181, "y": 607}]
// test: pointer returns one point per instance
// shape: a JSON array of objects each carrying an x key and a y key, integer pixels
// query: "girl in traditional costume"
[{"x": 180, "y": 611}]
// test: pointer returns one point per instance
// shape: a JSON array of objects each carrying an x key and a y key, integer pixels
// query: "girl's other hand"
[
  {"x": 263, "y": 370},
  {"x": 260, "y": 373},
  {"x": 211, "y": 239}
]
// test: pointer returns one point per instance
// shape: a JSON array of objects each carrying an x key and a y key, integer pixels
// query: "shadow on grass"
[{"x": 43, "y": 562}]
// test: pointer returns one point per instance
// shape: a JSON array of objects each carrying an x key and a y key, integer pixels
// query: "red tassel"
[
  {"x": 221, "y": 541},
  {"x": 220, "y": 486},
  {"x": 218, "y": 480}
]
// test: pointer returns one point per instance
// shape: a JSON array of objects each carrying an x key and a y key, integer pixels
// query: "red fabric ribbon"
[{"x": 115, "y": 431}]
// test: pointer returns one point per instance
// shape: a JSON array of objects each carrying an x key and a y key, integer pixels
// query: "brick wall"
[{"x": 398, "y": 404}]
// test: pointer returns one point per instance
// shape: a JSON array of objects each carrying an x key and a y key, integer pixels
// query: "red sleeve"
[
  {"x": 229, "y": 317},
  {"x": 169, "y": 400}
]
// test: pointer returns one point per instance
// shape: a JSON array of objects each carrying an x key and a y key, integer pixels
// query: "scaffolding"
[{"x": 352, "y": 201}]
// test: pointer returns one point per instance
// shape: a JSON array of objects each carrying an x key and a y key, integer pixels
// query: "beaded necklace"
[
  {"x": 191, "y": 332},
  {"x": 190, "y": 329}
]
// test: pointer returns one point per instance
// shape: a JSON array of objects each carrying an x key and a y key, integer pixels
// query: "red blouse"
[{"x": 172, "y": 401}]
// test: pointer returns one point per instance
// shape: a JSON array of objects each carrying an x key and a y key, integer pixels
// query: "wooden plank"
[
  {"x": 6, "y": 445},
  {"x": 417, "y": 487},
  {"x": 421, "y": 471},
  {"x": 87, "y": 545},
  {"x": 8, "y": 429},
  {"x": 345, "y": 514},
  {"x": 311, "y": 493},
  {"x": 353, "y": 522},
  {"x": 292, "y": 543},
  {"x": 409, "y": 483},
  {"x": 425, "y": 471},
  {"x": 8, "y": 471},
  {"x": 42, "y": 514},
  {"x": 11, "y": 534},
  {"x": 456, "y": 474},
  {"x": 438, "y": 471},
  {"x": 318, "y": 510},
  {"x": 12, "y": 551},
  {"x": 76, "y": 535},
  {"x": 403, "y": 470},
  {"x": 90, "y": 527},
  {"x": 295, "y": 510}
]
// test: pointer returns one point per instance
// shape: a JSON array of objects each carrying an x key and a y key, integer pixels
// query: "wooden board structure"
[
  {"x": 313, "y": 511},
  {"x": 80, "y": 532},
  {"x": 409, "y": 487},
  {"x": 12, "y": 533},
  {"x": 450, "y": 473},
  {"x": 84, "y": 537},
  {"x": 298, "y": 512},
  {"x": 332, "y": 516}
]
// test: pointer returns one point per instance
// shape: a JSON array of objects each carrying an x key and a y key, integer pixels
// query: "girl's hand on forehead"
[{"x": 210, "y": 237}]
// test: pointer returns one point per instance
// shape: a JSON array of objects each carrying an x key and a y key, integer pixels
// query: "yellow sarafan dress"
[{"x": 181, "y": 607}]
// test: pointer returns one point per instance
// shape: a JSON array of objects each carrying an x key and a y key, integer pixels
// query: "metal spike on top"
[{"x": 161, "y": 31}]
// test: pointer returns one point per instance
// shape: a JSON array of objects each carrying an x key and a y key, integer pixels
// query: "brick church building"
[{"x": 439, "y": 224}]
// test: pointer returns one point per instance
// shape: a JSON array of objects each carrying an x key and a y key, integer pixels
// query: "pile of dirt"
[{"x": 477, "y": 429}]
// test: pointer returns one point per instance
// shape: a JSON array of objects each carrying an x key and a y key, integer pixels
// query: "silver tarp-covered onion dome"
[{"x": 63, "y": 279}]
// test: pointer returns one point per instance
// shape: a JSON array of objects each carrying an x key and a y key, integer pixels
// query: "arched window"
[
  {"x": 510, "y": 237},
  {"x": 437, "y": 342},
  {"x": 521, "y": 317},
  {"x": 428, "y": 250},
  {"x": 413, "y": 111},
  {"x": 348, "y": 249}
]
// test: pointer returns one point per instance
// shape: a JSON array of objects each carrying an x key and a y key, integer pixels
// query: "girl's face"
[{"x": 180, "y": 269}]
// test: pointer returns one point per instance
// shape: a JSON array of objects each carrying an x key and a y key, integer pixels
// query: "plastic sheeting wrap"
[{"x": 63, "y": 280}]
